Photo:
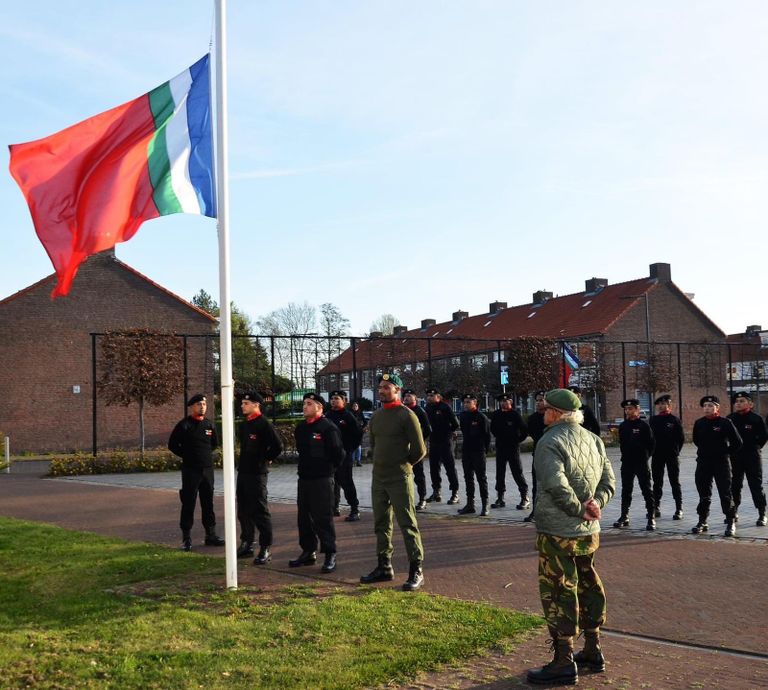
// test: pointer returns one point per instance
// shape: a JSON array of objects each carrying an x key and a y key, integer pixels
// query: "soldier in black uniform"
[
  {"x": 476, "y": 435},
  {"x": 444, "y": 424},
  {"x": 412, "y": 403},
  {"x": 318, "y": 442},
  {"x": 194, "y": 439},
  {"x": 715, "y": 438},
  {"x": 590, "y": 422},
  {"x": 536, "y": 428},
  {"x": 351, "y": 436},
  {"x": 259, "y": 446},
  {"x": 637, "y": 445},
  {"x": 748, "y": 461},
  {"x": 669, "y": 436},
  {"x": 509, "y": 429}
]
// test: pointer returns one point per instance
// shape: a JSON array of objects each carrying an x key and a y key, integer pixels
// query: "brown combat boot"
[
  {"x": 591, "y": 657},
  {"x": 561, "y": 670}
]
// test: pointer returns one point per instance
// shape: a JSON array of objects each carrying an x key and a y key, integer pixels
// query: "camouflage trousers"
[{"x": 570, "y": 588}]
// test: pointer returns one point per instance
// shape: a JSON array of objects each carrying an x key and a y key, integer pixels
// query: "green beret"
[
  {"x": 563, "y": 399},
  {"x": 394, "y": 379}
]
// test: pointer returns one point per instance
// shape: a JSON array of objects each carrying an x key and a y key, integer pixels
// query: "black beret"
[
  {"x": 468, "y": 396},
  {"x": 630, "y": 402},
  {"x": 198, "y": 397},
  {"x": 432, "y": 391},
  {"x": 408, "y": 391},
  {"x": 341, "y": 394},
  {"x": 538, "y": 394},
  {"x": 575, "y": 389},
  {"x": 314, "y": 396},
  {"x": 253, "y": 396},
  {"x": 503, "y": 396},
  {"x": 742, "y": 394},
  {"x": 663, "y": 398},
  {"x": 709, "y": 399}
]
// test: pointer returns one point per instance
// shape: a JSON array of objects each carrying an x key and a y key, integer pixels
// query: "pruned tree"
[
  {"x": 141, "y": 366},
  {"x": 533, "y": 363},
  {"x": 600, "y": 370}
]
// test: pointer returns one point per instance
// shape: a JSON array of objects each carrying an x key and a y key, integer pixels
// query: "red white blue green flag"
[{"x": 93, "y": 184}]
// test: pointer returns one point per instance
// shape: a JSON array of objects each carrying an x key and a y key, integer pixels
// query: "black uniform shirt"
[
  {"x": 635, "y": 439},
  {"x": 476, "y": 430},
  {"x": 590, "y": 422},
  {"x": 194, "y": 440},
  {"x": 442, "y": 420},
  {"x": 351, "y": 433},
  {"x": 668, "y": 433},
  {"x": 508, "y": 428},
  {"x": 751, "y": 428},
  {"x": 426, "y": 429},
  {"x": 320, "y": 448},
  {"x": 715, "y": 438},
  {"x": 536, "y": 427},
  {"x": 259, "y": 445}
]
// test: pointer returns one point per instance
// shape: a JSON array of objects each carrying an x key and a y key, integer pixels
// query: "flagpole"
[{"x": 225, "y": 314}]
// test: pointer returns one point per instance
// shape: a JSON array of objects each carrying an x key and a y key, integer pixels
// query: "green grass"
[{"x": 82, "y": 611}]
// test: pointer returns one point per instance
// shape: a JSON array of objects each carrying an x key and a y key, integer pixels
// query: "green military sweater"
[{"x": 396, "y": 441}]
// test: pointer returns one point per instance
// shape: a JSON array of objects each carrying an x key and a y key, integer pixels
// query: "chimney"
[
  {"x": 375, "y": 334},
  {"x": 541, "y": 296},
  {"x": 496, "y": 307},
  {"x": 459, "y": 316},
  {"x": 427, "y": 323},
  {"x": 754, "y": 330},
  {"x": 662, "y": 272},
  {"x": 397, "y": 330},
  {"x": 594, "y": 285}
]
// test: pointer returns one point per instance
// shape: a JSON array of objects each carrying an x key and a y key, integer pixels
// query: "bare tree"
[
  {"x": 385, "y": 324},
  {"x": 334, "y": 326},
  {"x": 141, "y": 366},
  {"x": 296, "y": 348}
]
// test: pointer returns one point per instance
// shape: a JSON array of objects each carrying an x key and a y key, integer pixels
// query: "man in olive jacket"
[
  {"x": 575, "y": 482},
  {"x": 397, "y": 444}
]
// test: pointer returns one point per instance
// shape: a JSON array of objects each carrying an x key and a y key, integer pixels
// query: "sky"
[{"x": 423, "y": 158}]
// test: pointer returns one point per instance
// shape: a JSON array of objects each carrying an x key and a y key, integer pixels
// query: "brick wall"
[{"x": 46, "y": 350}]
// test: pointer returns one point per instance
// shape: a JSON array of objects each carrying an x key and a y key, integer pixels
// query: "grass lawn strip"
[{"x": 79, "y": 610}]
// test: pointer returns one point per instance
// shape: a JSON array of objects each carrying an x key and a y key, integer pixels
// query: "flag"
[
  {"x": 570, "y": 364},
  {"x": 93, "y": 184}
]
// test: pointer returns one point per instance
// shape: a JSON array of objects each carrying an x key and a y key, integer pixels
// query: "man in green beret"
[
  {"x": 575, "y": 482},
  {"x": 397, "y": 445}
]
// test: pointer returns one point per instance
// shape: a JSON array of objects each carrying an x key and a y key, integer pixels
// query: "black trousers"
[
  {"x": 473, "y": 463},
  {"x": 441, "y": 452},
  {"x": 420, "y": 480},
  {"x": 719, "y": 470},
  {"x": 750, "y": 466},
  {"x": 343, "y": 480},
  {"x": 510, "y": 456},
  {"x": 253, "y": 509},
  {"x": 196, "y": 481},
  {"x": 631, "y": 468},
  {"x": 671, "y": 462},
  {"x": 315, "y": 516}
]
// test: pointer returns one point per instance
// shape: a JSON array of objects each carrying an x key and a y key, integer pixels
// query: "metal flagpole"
[{"x": 225, "y": 319}]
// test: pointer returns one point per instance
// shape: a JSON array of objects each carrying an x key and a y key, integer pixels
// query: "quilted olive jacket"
[{"x": 571, "y": 467}]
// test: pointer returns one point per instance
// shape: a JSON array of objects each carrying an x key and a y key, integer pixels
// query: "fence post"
[
  {"x": 93, "y": 381},
  {"x": 623, "y": 371},
  {"x": 429, "y": 363},
  {"x": 680, "y": 382},
  {"x": 274, "y": 393},
  {"x": 7, "y": 444},
  {"x": 353, "y": 345},
  {"x": 186, "y": 378}
]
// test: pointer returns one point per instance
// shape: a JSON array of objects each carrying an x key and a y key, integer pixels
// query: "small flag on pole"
[{"x": 93, "y": 184}]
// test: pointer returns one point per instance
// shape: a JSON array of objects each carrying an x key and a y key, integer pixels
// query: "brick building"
[
  {"x": 647, "y": 332},
  {"x": 46, "y": 378},
  {"x": 748, "y": 370}
]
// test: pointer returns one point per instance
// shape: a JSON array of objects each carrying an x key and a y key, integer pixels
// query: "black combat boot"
[
  {"x": 524, "y": 503},
  {"x": 435, "y": 497},
  {"x": 591, "y": 657},
  {"x": 211, "y": 538},
  {"x": 454, "y": 499},
  {"x": 329, "y": 565},
  {"x": 650, "y": 526},
  {"x": 186, "y": 540},
  {"x": 679, "y": 512},
  {"x": 561, "y": 670},
  {"x": 529, "y": 518},
  {"x": 623, "y": 521},
  {"x": 415, "y": 577},
  {"x": 468, "y": 509},
  {"x": 761, "y": 521},
  {"x": 422, "y": 504},
  {"x": 484, "y": 508},
  {"x": 305, "y": 558},
  {"x": 499, "y": 502},
  {"x": 354, "y": 515},
  {"x": 730, "y": 528},
  {"x": 657, "y": 512},
  {"x": 264, "y": 557},
  {"x": 701, "y": 527},
  {"x": 245, "y": 550},
  {"x": 383, "y": 572}
]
